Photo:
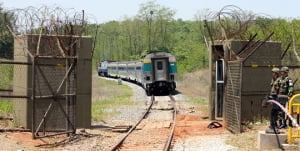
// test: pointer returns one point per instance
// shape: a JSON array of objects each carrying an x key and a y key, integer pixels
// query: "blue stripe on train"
[
  {"x": 173, "y": 67},
  {"x": 147, "y": 67}
]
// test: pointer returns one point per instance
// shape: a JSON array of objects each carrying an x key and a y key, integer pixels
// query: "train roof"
[{"x": 158, "y": 54}]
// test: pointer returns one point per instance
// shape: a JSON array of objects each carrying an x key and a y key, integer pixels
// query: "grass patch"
[
  {"x": 198, "y": 101},
  {"x": 107, "y": 108},
  {"x": 200, "y": 104},
  {"x": 6, "y": 75},
  {"x": 6, "y": 108},
  {"x": 111, "y": 96}
]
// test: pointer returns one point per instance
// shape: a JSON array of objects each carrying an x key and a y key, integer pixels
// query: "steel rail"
[
  {"x": 169, "y": 141},
  {"x": 120, "y": 142}
]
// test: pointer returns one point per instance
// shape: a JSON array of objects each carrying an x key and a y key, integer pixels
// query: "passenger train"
[{"x": 156, "y": 72}]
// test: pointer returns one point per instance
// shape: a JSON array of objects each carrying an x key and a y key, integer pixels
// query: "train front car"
[
  {"x": 159, "y": 71},
  {"x": 102, "y": 68}
]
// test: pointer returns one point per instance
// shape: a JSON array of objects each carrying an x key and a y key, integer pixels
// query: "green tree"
[
  {"x": 158, "y": 21},
  {"x": 6, "y": 38}
]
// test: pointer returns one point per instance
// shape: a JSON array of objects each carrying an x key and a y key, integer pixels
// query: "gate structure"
[
  {"x": 247, "y": 68},
  {"x": 233, "y": 102},
  {"x": 47, "y": 98},
  {"x": 52, "y": 70}
]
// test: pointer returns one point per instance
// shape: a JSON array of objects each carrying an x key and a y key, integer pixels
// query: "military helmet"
[
  {"x": 275, "y": 70},
  {"x": 284, "y": 69}
]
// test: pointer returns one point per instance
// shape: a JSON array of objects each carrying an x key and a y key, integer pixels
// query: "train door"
[
  {"x": 160, "y": 69},
  {"x": 219, "y": 88}
]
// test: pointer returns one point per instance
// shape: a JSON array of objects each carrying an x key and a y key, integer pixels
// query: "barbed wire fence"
[
  {"x": 51, "y": 21},
  {"x": 47, "y": 20}
]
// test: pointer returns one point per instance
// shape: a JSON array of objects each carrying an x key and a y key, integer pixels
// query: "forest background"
[{"x": 154, "y": 28}]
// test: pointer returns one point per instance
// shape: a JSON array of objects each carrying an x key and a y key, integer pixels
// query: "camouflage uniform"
[
  {"x": 286, "y": 84},
  {"x": 286, "y": 90},
  {"x": 275, "y": 86},
  {"x": 275, "y": 82}
]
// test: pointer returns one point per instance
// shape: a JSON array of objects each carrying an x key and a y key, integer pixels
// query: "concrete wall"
[
  {"x": 84, "y": 84},
  {"x": 20, "y": 83}
]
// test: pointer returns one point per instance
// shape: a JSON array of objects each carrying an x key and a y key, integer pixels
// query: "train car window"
[
  {"x": 159, "y": 65},
  {"x": 138, "y": 68}
]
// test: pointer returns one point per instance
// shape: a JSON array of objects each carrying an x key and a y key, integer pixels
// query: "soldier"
[
  {"x": 275, "y": 81},
  {"x": 286, "y": 83},
  {"x": 273, "y": 96},
  {"x": 286, "y": 90}
]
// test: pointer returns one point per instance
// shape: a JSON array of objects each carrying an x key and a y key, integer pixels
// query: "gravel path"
[{"x": 203, "y": 143}]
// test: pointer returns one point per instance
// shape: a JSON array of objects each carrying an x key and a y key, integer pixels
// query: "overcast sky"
[{"x": 107, "y": 10}]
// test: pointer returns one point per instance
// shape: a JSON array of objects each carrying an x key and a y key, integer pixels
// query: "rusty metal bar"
[
  {"x": 66, "y": 89},
  {"x": 283, "y": 54},
  {"x": 32, "y": 96},
  {"x": 254, "y": 49},
  {"x": 65, "y": 77},
  {"x": 247, "y": 44},
  {"x": 15, "y": 62},
  {"x": 66, "y": 115},
  {"x": 116, "y": 146},
  {"x": 60, "y": 133},
  {"x": 37, "y": 97},
  {"x": 14, "y": 96},
  {"x": 14, "y": 130},
  {"x": 6, "y": 90},
  {"x": 243, "y": 53},
  {"x": 47, "y": 82},
  {"x": 95, "y": 38},
  {"x": 60, "y": 96},
  {"x": 168, "y": 143},
  {"x": 59, "y": 57},
  {"x": 27, "y": 63},
  {"x": 43, "y": 119},
  {"x": 73, "y": 98}
]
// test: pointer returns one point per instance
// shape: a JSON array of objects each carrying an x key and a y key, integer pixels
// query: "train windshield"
[{"x": 159, "y": 65}]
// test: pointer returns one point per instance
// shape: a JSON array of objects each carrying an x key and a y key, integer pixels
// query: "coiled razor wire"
[
  {"x": 50, "y": 21},
  {"x": 53, "y": 21},
  {"x": 234, "y": 21}
]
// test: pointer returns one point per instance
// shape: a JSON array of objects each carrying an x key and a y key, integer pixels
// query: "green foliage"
[
  {"x": 6, "y": 108},
  {"x": 198, "y": 101},
  {"x": 6, "y": 75},
  {"x": 6, "y": 38}
]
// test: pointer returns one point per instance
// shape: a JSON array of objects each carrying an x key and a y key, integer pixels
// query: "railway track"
[{"x": 154, "y": 130}]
